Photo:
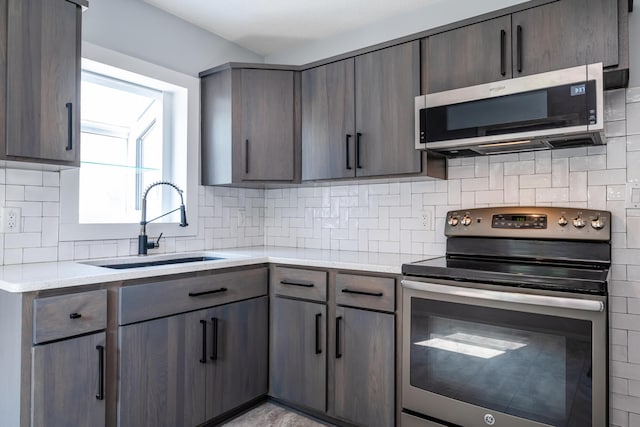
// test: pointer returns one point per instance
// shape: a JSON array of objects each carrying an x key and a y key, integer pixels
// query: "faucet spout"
[{"x": 143, "y": 241}]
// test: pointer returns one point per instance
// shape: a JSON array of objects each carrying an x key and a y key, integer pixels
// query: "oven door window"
[{"x": 528, "y": 365}]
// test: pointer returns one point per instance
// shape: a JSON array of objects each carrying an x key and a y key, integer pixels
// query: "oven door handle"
[{"x": 514, "y": 297}]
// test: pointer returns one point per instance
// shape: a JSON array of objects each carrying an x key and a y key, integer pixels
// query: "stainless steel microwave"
[{"x": 556, "y": 109}]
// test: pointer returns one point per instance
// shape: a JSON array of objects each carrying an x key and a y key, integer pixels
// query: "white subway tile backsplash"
[
  {"x": 23, "y": 177},
  {"x": 633, "y": 166},
  {"x": 633, "y": 142},
  {"x": 41, "y": 194},
  {"x": 633, "y": 124},
  {"x": 22, "y": 240},
  {"x": 615, "y": 105},
  {"x": 535, "y": 181},
  {"x": 49, "y": 254},
  {"x": 560, "y": 172}
]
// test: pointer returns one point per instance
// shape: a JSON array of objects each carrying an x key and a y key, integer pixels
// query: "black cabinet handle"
[
  {"x": 75, "y": 316},
  {"x": 519, "y": 47},
  {"x": 503, "y": 52},
  {"x": 371, "y": 294},
  {"x": 348, "y": 159},
  {"x": 318, "y": 343},
  {"x": 203, "y": 359},
  {"x": 214, "y": 351},
  {"x": 290, "y": 283},
  {"x": 358, "y": 165},
  {"x": 246, "y": 156},
  {"x": 100, "y": 394},
  {"x": 213, "y": 291},
  {"x": 69, "y": 106},
  {"x": 338, "y": 349}
]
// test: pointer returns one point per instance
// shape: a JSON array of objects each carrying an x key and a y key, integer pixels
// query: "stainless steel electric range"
[{"x": 510, "y": 327}]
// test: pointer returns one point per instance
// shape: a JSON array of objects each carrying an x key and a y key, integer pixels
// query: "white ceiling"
[{"x": 268, "y": 26}]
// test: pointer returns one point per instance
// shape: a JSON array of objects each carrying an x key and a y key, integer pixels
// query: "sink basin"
[{"x": 155, "y": 262}]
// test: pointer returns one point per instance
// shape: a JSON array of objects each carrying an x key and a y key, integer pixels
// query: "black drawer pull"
[
  {"x": 75, "y": 316},
  {"x": 214, "y": 291},
  {"x": 246, "y": 157},
  {"x": 318, "y": 343},
  {"x": 214, "y": 351},
  {"x": 203, "y": 359},
  {"x": 100, "y": 394},
  {"x": 519, "y": 48},
  {"x": 370, "y": 294},
  {"x": 503, "y": 54},
  {"x": 358, "y": 136},
  {"x": 338, "y": 349},
  {"x": 69, "y": 146},
  {"x": 348, "y": 157},
  {"x": 303, "y": 284}
]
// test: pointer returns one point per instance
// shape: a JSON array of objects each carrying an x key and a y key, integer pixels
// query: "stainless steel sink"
[{"x": 121, "y": 264}]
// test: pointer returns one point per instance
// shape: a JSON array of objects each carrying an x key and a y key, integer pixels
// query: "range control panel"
[{"x": 530, "y": 223}]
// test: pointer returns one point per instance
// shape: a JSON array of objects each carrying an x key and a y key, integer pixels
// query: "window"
[
  {"x": 139, "y": 125},
  {"x": 122, "y": 138}
]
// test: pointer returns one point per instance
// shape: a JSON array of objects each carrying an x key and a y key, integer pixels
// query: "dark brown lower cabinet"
[
  {"x": 68, "y": 382},
  {"x": 299, "y": 356},
  {"x": 185, "y": 369},
  {"x": 364, "y": 367},
  {"x": 238, "y": 364}
]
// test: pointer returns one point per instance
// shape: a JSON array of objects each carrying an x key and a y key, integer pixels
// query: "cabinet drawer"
[
  {"x": 298, "y": 283},
  {"x": 376, "y": 293},
  {"x": 164, "y": 298},
  {"x": 68, "y": 315}
]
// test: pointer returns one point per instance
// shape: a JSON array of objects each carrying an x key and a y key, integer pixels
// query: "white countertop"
[{"x": 54, "y": 275}]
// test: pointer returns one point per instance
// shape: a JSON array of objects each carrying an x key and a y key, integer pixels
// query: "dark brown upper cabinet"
[
  {"x": 41, "y": 55},
  {"x": 357, "y": 115},
  {"x": 248, "y": 130},
  {"x": 552, "y": 36},
  {"x": 328, "y": 121}
]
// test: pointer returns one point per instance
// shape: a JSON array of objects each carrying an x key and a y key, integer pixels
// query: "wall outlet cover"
[
  {"x": 633, "y": 195},
  {"x": 11, "y": 220}
]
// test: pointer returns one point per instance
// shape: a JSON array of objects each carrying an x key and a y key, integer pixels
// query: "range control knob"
[
  {"x": 453, "y": 221},
  {"x": 562, "y": 221},
  {"x": 579, "y": 222},
  {"x": 466, "y": 220},
  {"x": 597, "y": 223}
]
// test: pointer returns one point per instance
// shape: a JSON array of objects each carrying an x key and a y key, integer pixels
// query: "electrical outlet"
[
  {"x": 427, "y": 220},
  {"x": 11, "y": 220}
]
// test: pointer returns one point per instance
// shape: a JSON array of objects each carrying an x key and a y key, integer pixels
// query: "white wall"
[
  {"x": 436, "y": 14},
  {"x": 138, "y": 29}
]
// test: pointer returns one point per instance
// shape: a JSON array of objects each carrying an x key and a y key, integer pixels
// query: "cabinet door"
[
  {"x": 328, "y": 121},
  {"x": 266, "y": 99},
  {"x": 298, "y": 352},
  {"x": 365, "y": 354},
  {"x": 67, "y": 382},
  {"x": 161, "y": 373},
  {"x": 565, "y": 34},
  {"x": 43, "y": 77},
  {"x": 470, "y": 55},
  {"x": 387, "y": 82},
  {"x": 237, "y": 368}
]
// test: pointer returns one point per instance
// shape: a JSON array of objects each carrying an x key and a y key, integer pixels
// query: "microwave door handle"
[{"x": 511, "y": 297}]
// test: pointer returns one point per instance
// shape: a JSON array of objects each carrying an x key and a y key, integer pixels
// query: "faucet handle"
[{"x": 157, "y": 243}]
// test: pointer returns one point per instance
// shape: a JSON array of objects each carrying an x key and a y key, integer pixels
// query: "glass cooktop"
[{"x": 588, "y": 279}]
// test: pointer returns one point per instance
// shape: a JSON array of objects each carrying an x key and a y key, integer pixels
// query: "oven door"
[{"x": 482, "y": 356}]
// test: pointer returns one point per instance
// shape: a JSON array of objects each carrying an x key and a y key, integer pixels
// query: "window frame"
[{"x": 182, "y": 91}]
